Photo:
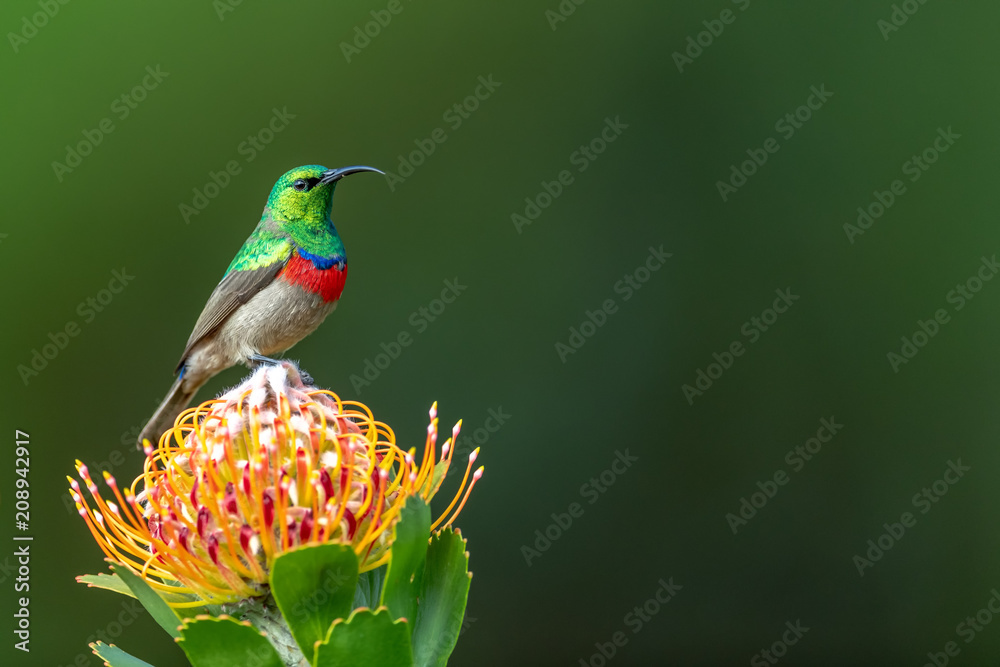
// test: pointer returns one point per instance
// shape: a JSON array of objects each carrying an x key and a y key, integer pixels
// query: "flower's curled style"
[{"x": 270, "y": 465}]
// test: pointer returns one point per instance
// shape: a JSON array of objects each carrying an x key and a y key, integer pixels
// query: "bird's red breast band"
[{"x": 328, "y": 283}]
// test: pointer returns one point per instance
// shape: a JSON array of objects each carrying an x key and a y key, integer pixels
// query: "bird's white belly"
[{"x": 275, "y": 319}]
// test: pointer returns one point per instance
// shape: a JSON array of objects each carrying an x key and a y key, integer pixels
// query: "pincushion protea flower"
[{"x": 269, "y": 466}]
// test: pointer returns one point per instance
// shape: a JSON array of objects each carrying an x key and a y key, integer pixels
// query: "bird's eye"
[{"x": 300, "y": 185}]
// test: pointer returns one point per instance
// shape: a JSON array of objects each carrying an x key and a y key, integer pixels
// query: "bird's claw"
[{"x": 257, "y": 360}]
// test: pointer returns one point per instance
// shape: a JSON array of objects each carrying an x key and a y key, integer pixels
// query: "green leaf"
[
  {"x": 222, "y": 641},
  {"x": 314, "y": 586},
  {"x": 114, "y": 656},
  {"x": 406, "y": 560},
  {"x": 187, "y": 611},
  {"x": 154, "y": 604},
  {"x": 112, "y": 582},
  {"x": 369, "y": 590},
  {"x": 366, "y": 639},
  {"x": 440, "y": 468},
  {"x": 109, "y": 582},
  {"x": 444, "y": 592},
  {"x": 191, "y": 612}
]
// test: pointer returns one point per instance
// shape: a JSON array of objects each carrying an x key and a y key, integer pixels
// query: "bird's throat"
[{"x": 318, "y": 238}]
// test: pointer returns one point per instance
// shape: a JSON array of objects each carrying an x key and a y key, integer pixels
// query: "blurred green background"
[{"x": 494, "y": 348}]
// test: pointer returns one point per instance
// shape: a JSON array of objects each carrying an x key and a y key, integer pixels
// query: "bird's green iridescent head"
[{"x": 305, "y": 194}]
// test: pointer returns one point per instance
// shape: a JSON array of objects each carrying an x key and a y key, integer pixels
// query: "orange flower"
[{"x": 268, "y": 466}]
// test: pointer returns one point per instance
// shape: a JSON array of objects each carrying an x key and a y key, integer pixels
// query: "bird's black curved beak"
[{"x": 332, "y": 175}]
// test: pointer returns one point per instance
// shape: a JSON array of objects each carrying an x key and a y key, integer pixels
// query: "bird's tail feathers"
[{"x": 176, "y": 400}]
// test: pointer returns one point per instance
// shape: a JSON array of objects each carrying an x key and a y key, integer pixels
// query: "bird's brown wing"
[{"x": 234, "y": 290}]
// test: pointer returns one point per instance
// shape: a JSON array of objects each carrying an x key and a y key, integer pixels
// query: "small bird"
[{"x": 283, "y": 282}]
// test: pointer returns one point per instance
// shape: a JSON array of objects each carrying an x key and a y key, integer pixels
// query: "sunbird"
[{"x": 282, "y": 284}]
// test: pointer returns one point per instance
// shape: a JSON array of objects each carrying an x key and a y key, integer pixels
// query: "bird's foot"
[
  {"x": 258, "y": 360},
  {"x": 255, "y": 361}
]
